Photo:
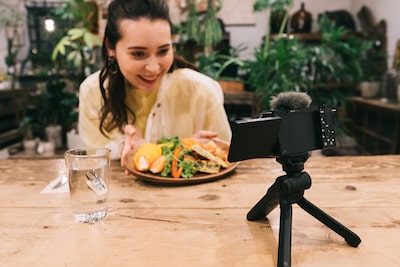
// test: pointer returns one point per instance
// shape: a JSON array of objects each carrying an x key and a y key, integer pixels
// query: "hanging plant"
[
  {"x": 11, "y": 20},
  {"x": 212, "y": 31},
  {"x": 203, "y": 26},
  {"x": 192, "y": 22},
  {"x": 274, "y": 6}
]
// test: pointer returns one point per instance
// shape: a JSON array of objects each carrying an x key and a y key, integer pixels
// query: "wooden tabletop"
[{"x": 204, "y": 224}]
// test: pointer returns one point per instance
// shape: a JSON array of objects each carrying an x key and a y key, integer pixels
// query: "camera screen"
[{"x": 254, "y": 138}]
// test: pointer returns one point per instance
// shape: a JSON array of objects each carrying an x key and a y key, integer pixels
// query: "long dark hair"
[{"x": 114, "y": 112}]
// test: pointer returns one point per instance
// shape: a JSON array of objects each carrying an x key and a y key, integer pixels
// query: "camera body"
[
  {"x": 304, "y": 130},
  {"x": 283, "y": 133}
]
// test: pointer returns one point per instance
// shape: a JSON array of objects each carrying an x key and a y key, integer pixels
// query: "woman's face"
[{"x": 144, "y": 53}]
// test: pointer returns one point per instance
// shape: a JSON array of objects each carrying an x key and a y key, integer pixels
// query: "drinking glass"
[{"x": 88, "y": 177}]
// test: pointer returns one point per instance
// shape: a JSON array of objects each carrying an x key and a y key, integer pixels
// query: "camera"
[{"x": 283, "y": 133}]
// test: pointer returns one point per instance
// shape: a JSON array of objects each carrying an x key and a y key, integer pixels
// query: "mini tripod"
[{"x": 287, "y": 190}]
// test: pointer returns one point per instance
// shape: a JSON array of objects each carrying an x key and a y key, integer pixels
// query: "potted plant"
[
  {"x": 280, "y": 68},
  {"x": 328, "y": 71},
  {"x": 29, "y": 143},
  {"x": 278, "y": 14},
  {"x": 279, "y": 63},
  {"x": 12, "y": 20},
  {"x": 57, "y": 110},
  {"x": 202, "y": 31},
  {"x": 285, "y": 63},
  {"x": 337, "y": 64},
  {"x": 216, "y": 64},
  {"x": 371, "y": 80},
  {"x": 76, "y": 51},
  {"x": 76, "y": 54}
]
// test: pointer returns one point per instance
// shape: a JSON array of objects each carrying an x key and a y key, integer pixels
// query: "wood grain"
[{"x": 204, "y": 224}]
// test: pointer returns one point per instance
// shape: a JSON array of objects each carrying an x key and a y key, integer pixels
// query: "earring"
[{"x": 112, "y": 65}]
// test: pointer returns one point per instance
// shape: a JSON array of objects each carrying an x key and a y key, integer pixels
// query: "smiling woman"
[
  {"x": 145, "y": 57},
  {"x": 144, "y": 91}
]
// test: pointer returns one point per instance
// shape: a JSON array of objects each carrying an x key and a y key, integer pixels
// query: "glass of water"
[{"x": 88, "y": 177}]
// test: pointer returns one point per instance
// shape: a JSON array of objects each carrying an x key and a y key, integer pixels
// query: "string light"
[{"x": 49, "y": 25}]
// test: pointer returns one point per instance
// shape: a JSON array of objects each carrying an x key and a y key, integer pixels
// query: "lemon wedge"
[{"x": 149, "y": 150}]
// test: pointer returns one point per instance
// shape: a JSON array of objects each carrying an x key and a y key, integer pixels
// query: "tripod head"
[
  {"x": 292, "y": 164},
  {"x": 296, "y": 180}
]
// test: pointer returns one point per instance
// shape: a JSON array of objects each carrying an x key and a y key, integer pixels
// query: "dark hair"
[{"x": 114, "y": 112}]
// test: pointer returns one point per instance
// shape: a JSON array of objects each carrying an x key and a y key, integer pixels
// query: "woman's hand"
[
  {"x": 133, "y": 140},
  {"x": 205, "y": 134}
]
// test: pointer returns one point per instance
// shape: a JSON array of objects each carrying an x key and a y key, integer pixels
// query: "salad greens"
[{"x": 168, "y": 146}]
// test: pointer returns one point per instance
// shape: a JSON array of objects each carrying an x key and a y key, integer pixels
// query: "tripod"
[{"x": 287, "y": 190}]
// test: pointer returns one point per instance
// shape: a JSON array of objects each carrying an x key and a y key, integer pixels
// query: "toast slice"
[
  {"x": 207, "y": 166},
  {"x": 208, "y": 155}
]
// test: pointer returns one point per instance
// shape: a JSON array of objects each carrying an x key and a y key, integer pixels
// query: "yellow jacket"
[{"x": 187, "y": 102}]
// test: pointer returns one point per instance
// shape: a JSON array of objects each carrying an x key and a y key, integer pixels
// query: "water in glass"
[{"x": 88, "y": 180}]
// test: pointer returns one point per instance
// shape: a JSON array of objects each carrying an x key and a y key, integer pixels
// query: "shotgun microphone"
[{"x": 290, "y": 101}]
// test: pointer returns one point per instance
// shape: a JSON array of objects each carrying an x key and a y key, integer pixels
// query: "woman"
[{"x": 143, "y": 92}]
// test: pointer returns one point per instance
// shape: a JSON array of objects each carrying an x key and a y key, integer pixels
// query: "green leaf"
[
  {"x": 91, "y": 40},
  {"x": 76, "y": 33},
  {"x": 59, "y": 49},
  {"x": 261, "y": 5}
]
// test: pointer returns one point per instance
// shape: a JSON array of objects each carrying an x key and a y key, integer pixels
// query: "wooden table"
[{"x": 204, "y": 224}]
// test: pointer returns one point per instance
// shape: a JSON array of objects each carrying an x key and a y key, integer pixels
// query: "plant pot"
[
  {"x": 369, "y": 89},
  {"x": 53, "y": 133},
  {"x": 46, "y": 148},
  {"x": 74, "y": 140},
  {"x": 229, "y": 86},
  {"x": 277, "y": 20},
  {"x": 29, "y": 146},
  {"x": 5, "y": 85}
]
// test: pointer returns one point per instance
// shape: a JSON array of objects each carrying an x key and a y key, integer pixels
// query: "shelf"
[
  {"x": 10, "y": 135},
  {"x": 239, "y": 104},
  {"x": 13, "y": 105},
  {"x": 375, "y": 125},
  {"x": 238, "y": 98},
  {"x": 312, "y": 37}
]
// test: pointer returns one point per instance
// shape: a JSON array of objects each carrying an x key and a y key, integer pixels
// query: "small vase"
[
  {"x": 53, "y": 133},
  {"x": 301, "y": 21},
  {"x": 46, "y": 148},
  {"x": 276, "y": 21},
  {"x": 369, "y": 89},
  {"x": 30, "y": 146},
  {"x": 74, "y": 140}
]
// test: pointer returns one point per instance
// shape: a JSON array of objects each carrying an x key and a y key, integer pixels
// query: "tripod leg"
[
  {"x": 266, "y": 204},
  {"x": 285, "y": 233},
  {"x": 351, "y": 238}
]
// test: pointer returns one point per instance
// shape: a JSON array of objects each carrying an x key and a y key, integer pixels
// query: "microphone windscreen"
[{"x": 290, "y": 101}]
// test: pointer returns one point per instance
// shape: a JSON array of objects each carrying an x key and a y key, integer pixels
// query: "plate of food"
[{"x": 174, "y": 161}]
